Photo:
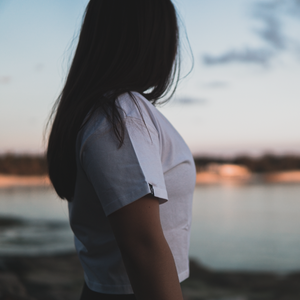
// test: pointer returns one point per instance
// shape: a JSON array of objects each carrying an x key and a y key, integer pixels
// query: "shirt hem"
[
  {"x": 122, "y": 289},
  {"x": 184, "y": 275},
  {"x": 135, "y": 195}
]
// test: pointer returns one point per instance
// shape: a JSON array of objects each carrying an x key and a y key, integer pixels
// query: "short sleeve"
[{"x": 122, "y": 175}]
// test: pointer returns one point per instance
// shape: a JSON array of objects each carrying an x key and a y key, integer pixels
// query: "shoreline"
[
  {"x": 202, "y": 178},
  {"x": 61, "y": 277},
  {"x": 9, "y": 181},
  {"x": 208, "y": 178}
]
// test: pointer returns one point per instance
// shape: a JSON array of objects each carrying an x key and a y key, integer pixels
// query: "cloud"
[
  {"x": 247, "y": 56},
  {"x": 215, "y": 84},
  {"x": 269, "y": 13},
  {"x": 293, "y": 7},
  {"x": 189, "y": 101},
  {"x": 5, "y": 79},
  {"x": 271, "y": 33},
  {"x": 297, "y": 5}
]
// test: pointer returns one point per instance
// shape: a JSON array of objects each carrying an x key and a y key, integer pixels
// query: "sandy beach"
[
  {"x": 7, "y": 181},
  {"x": 278, "y": 177},
  {"x": 216, "y": 174},
  {"x": 291, "y": 176}
]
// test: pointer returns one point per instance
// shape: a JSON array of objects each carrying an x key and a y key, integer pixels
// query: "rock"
[
  {"x": 208, "y": 284},
  {"x": 60, "y": 277},
  {"x": 47, "y": 278},
  {"x": 11, "y": 288}
]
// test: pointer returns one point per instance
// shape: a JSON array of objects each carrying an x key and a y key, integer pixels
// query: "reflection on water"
[
  {"x": 34, "y": 237},
  {"x": 250, "y": 227},
  {"x": 33, "y": 221}
]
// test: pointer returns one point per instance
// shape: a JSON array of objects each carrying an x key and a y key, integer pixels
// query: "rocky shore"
[
  {"x": 57, "y": 277},
  {"x": 60, "y": 278},
  {"x": 207, "y": 284}
]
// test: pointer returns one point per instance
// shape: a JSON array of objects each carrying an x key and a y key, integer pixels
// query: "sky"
[{"x": 242, "y": 96}]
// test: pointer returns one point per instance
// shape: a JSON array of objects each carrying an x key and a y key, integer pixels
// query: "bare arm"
[{"x": 147, "y": 257}]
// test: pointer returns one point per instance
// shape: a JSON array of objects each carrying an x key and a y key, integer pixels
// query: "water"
[
  {"x": 250, "y": 227},
  {"x": 33, "y": 221}
]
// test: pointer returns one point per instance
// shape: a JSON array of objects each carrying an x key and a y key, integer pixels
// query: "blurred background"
[{"x": 238, "y": 110}]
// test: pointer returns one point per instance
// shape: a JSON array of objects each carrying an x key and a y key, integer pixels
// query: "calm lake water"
[{"x": 249, "y": 227}]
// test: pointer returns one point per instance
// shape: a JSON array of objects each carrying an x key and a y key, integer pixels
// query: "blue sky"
[{"x": 243, "y": 95}]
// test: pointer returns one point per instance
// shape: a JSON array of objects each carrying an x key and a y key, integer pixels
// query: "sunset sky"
[{"x": 243, "y": 95}]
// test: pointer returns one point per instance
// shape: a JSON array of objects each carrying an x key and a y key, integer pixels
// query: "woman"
[{"x": 127, "y": 174}]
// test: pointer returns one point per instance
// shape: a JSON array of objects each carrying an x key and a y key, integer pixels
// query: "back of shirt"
[{"x": 153, "y": 159}]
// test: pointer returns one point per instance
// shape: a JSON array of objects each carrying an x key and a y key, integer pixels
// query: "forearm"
[
  {"x": 146, "y": 254},
  {"x": 152, "y": 271}
]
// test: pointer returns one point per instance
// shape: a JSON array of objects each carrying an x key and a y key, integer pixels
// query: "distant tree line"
[
  {"x": 25, "y": 164},
  {"x": 261, "y": 164}
]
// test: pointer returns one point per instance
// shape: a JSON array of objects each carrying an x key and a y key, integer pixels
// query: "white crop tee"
[{"x": 153, "y": 159}]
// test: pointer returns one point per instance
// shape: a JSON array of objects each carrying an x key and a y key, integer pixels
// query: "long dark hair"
[{"x": 123, "y": 46}]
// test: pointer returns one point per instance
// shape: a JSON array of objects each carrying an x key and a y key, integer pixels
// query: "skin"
[{"x": 147, "y": 257}]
